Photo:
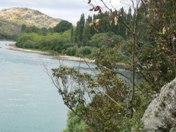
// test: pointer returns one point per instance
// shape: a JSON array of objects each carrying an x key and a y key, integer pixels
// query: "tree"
[
  {"x": 78, "y": 35},
  {"x": 122, "y": 30},
  {"x": 106, "y": 102},
  {"x": 43, "y": 31},
  {"x": 75, "y": 124},
  {"x": 88, "y": 31},
  {"x": 23, "y": 27},
  {"x": 107, "y": 40},
  {"x": 111, "y": 100},
  {"x": 31, "y": 29},
  {"x": 62, "y": 26},
  {"x": 158, "y": 56}
]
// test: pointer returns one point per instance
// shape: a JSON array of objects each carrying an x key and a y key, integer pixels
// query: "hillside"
[
  {"x": 7, "y": 27},
  {"x": 11, "y": 19}
]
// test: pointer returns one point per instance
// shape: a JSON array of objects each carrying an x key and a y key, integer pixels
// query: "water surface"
[{"x": 29, "y": 102}]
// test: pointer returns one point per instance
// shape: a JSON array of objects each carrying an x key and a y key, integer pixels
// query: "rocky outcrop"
[{"x": 160, "y": 115}]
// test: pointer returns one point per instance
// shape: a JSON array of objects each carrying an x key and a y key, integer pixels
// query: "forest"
[
  {"x": 141, "y": 41},
  {"x": 82, "y": 40}
]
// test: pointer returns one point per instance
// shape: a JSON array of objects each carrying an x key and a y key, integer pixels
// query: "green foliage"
[
  {"x": 78, "y": 35},
  {"x": 122, "y": 30},
  {"x": 8, "y": 36},
  {"x": 62, "y": 26},
  {"x": 72, "y": 51},
  {"x": 52, "y": 41},
  {"x": 104, "y": 40},
  {"x": 102, "y": 112},
  {"x": 28, "y": 39},
  {"x": 111, "y": 100},
  {"x": 104, "y": 22},
  {"x": 157, "y": 62},
  {"x": 23, "y": 27},
  {"x": 33, "y": 29},
  {"x": 75, "y": 124},
  {"x": 83, "y": 36},
  {"x": 83, "y": 51},
  {"x": 88, "y": 31},
  {"x": 102, "y": 100},
  {"x": 29, "y": 44},
  {"x": 140, "y": 44}
]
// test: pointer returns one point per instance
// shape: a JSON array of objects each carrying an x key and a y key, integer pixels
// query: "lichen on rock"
[{"x": 160, "y": 116}]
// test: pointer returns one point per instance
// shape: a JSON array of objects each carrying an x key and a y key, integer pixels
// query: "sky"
[{"x": 69, "y": 10}]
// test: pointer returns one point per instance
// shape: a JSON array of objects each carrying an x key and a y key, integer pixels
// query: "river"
[{"x": 29, "y": 102}]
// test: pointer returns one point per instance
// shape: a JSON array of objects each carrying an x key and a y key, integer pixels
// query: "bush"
[
  {"x": 72, "y": 51},
  {"x": 29, "y": 44},
  {"x": 85, "y": 50},
  {"x": 75, "y": 124},
  {"x": 62, "y": 26},
  {"x": 105, "y": 40}
]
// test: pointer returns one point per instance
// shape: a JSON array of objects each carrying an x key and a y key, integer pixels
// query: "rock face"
[{"x": 160, "y": 115}]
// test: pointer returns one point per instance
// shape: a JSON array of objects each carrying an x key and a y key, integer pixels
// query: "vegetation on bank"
[
  {"x": 110, "y": 100},
  {"x": 84, "y": 40},
  {"x": 75, "y": 123}
]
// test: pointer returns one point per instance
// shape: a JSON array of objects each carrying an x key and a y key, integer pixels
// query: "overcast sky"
[{"x": 65, "y": 9}]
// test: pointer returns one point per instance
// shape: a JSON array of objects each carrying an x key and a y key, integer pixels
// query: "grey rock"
[{"x": 160, "y": 116}]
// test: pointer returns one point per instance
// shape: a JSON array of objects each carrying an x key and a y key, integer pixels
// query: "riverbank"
[{"x": 55, "y": 56}]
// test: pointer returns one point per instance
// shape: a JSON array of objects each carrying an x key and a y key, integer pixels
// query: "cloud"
[
  {"x": 70, "y": 15},
  {"x": 53, "y": 4}
]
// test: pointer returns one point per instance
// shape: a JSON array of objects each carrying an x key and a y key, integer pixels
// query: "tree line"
[{"x": 84, "y": 39}]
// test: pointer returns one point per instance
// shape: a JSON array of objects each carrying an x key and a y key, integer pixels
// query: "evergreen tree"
[
  {"x": 88, "y": 31},
  {"x": 78, "y": 35},
  {"x": 122, "y": 31},
  {"x": 104, "y": 22},
  {"x": 62, "y": 26},
  {"x": 71, "y": 34},
  {"x": 23, "y": 28}
]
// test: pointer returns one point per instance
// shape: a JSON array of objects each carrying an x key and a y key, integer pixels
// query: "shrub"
[
  {"x": 85, "y": 50},
  {"x": 72, "y": 51},
  {"x": 75, "y": 124},
  {"x": 29, "y": 44}
]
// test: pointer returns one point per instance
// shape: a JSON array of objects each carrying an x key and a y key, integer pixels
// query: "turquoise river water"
[{"x": 29, "y": 102}]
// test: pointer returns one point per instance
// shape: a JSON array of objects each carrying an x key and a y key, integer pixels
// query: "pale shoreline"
[{"x": 61, "y": 57}]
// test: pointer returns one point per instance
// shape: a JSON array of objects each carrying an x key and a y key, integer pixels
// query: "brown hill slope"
[{"x": 11, "y": 19}]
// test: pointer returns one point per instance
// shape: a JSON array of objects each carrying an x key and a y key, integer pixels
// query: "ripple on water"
[{"x": 29, "y": 102}]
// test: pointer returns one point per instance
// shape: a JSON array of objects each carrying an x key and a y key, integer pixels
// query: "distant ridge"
[{"x": 11, "y": 19}]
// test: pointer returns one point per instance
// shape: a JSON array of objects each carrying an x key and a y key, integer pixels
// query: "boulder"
[{"x": 160, "y": 116}]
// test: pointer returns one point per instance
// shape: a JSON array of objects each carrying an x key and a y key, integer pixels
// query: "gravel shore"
[{"x": 63, "y": 57}]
